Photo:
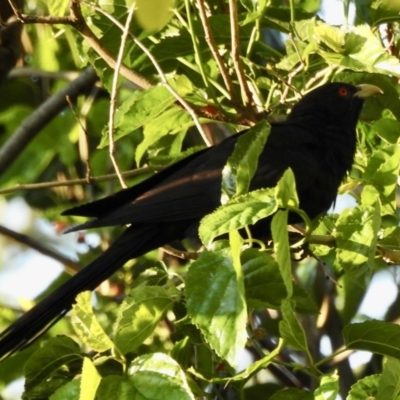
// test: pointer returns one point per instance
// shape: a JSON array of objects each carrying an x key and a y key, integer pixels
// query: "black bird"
[{"x": 317, "y": 140}]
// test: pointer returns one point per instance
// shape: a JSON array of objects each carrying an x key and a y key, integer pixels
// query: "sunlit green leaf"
[
  {"x": 86, "y": 325},
  {"x": 364, "y": 388},
  {"x": 139, "y": 315},
  {"x": 375, "y": 336},
  {"x": 242, "y": 164},
  {"x": 389, "y": 384},
  {"x": 328, "y": 388},
  {"x": 219, "y": 310},
  {"x": 237, "y": 213},
  {"x": 290, "y": 328},
  {"x": 90, "y": 380},
  {"x": 153, "y": 15},
  {"x": 53, "y": 355}
]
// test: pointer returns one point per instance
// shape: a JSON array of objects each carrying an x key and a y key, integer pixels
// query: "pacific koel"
[{"x": 317, "y": 141}]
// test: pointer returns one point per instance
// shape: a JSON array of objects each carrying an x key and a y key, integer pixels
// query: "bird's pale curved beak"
[{"x": 366, "y": 90}]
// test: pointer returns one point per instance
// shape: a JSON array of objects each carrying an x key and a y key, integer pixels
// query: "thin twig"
[
  {"x": 236, "y": 56},
  {"x": 33, "y": 19},
  {"x": 195, "y": 42},
  {"x": 184, "y": 255},
  {"x": 391, "y": 40},
  {"x": 38, "y": 246},
  {"x": 84, "y": 147},
  {"x": 214, "y": 51},
  {"x": 288, "y": 83},
  {"x": 73, "y": 182},
  {"x": 322, "y": 75},
  {"x": 113, "y": 94},
  {"x": 83, "y": 129}
]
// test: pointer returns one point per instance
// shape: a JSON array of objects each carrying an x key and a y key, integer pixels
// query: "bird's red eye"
[{"x": 343, "y": 92}]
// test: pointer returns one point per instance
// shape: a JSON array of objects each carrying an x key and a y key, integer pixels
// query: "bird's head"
[{"x": 334, "y": 103}]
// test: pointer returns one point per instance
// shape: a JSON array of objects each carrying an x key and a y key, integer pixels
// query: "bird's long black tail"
[{"x": 134, "y": 242}]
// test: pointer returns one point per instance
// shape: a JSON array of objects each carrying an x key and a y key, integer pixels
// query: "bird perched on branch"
[{"x": 317, "y": 141}]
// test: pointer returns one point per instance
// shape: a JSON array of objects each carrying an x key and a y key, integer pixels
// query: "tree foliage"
[{"x": 174, "y": 77}]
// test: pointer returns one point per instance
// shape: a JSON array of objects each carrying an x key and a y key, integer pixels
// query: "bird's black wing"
[{"x": 187, "y": 190}]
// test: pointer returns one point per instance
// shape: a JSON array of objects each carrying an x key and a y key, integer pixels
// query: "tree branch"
[
  {"x": 32, "y": 125},
  {"x": 113, "y": 98},
  {"x": 235, "y": 55},
  {"x": 214, "y": 50},
  {"x": 38, "y": 246},
  {"x": 82, "y": 181}
]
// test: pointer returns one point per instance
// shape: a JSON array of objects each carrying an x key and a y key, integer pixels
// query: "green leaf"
[
  {"x": 354, "y": 294},
  {"x": 237, "y": 213},
  {"x": 257, "y": 366},
  {"x": 389, "y": 384},
  {"x": 264, "y": 285},
  {"x": 249, "y": 371},
  {"x": 292, "y": 394},
  {"x": 281, "y": 247},
  {"x": 286, "y": 192},
  {"x": 69, "y": 391},
  {"x": 291, "y": 330},
  {"x": 90, "y": 380},
  {"x": 161, "y": 363},
  {"x": 387, "y": 129},
  {"x": 356, "y": 238},
  {"x": 328, "y": 388},
  {"x": 359, "y": 50},
  {"x": 375, "y": 336},
  {"x": 117, "y": 387},
  {"x": 242, "y": 164},
  {"x": 86, "y": 325},
  {"x": 153, "y": 15},
  {"x": 383, "y": 11},
  {"x": 139, "y": 315},
  {"x": 54, "y": 354},
  {"x": 170, "y": 122},
  {"x": 382, "y": 172},
  {"x": 391, "y": 237},
  {"x": 138, "y": 110},
  {"x": 331, "y": 36},
  {"x": 57, "y": 8},
  {"x": 365, "y": 388},
  {"x": 12, "y": 368},
  {"x": 150, "y": 377},
  {"x": 219, "y": 309}
]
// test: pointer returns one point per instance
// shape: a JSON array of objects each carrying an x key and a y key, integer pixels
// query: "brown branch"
[
  {"x": 82, "y": 143},
  {"x": 10, "y": 39},
  {"x": 113, "y": 97},
  {"x": 184, "y": 255},
  {"x": 236, "y": 56},
  {"x": 214, "y": 50},
  {"x": 389, "y": 255},
  {"x": 38, "y": 246},
  {"x": 73, "y": 182},
  {"x": 391, "y": 39},
  {"x": 81, "y": 26},
  {"x": 32, "y": 125}
]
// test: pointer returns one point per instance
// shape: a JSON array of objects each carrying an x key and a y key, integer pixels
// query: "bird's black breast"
[{"x": 319, "y": 156}]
